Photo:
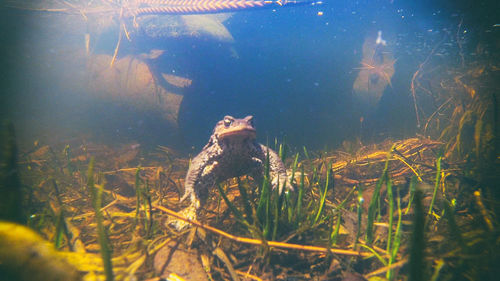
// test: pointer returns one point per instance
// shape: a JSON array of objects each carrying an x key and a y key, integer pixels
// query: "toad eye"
[{"x": 227, "y": 122}]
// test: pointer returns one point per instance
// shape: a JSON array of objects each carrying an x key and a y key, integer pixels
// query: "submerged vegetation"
[
  {"x": 394, "y": 211},
  {"x": 420, "y": 208},
  {"x": 423, "y": 208}
]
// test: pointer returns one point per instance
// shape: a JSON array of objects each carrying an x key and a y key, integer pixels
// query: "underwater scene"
[{"x": 249, "y": 140}]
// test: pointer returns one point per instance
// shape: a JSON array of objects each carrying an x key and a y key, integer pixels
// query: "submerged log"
[{"x": 130, "y": 82}]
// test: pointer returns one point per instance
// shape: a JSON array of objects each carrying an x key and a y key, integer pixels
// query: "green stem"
[{"x": 436, "y": 184}]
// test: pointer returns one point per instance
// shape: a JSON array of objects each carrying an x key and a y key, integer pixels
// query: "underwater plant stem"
[
  {"x": 306, "y": 154},
  {"x": 298, "y": 208},
  {"x": 452, "y": 224},
  {"x": 436, "y": 184},
  {"x": 397, "y": 239},
  {"x": 117, "y": 48},
  {"x": 102, "y": 238},
  {"x": 276, "y": 208},
  {"x": 436, "y": 113},
  {"x": 138, "y": 194},
  {"x": 413, "y": 184},
  {"x": 410, "y": 167},
  {"x": 323, "y": 195},
  {"x": 390, "y": 214},
  {"x": 360, "y": 213},
  {"x": 263, "y": 207},
  {"x": 289, "y": 205},
  {"x": 482, "y": 209},
  {"x": 335, "y": 231},
  {"x": 417, "y": 244},
  {"x": 374, "y": 202},
  {"x": 417, "y": 75},
  {"x": 437, "y": 269},
  {"x": 59, "y": 230},
  {"x": 385, "y": 269},
  {"x": 235, "y": 211},
  {"x": 348, "y": 196},
  {"x": 148, "y": 210},
  {"x": 379, "y": 257},
  {"x": 246, "y": 201},
  {"x": 61, "y": 226}
]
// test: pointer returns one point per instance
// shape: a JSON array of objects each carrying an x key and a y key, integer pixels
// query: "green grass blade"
[
  {"x": 348, "y": 196},
  {"x": 417, "y": 244},
  {"x": 306, "y": 154},
  {"x": 59, "y": 230},
  {"x": 298, "y": 208},
  {"x": 413, "y": 185},
  {"x": 276, "y": 215},
  {"x": 148, "y": 209},
  {"x": 360, "y": 202},
  {"x": 335, "y": 232},
  {"x": 263, "y": 204},
  {"x": 379, "y": 257},
  {"x": 374, "y": 203},
  {"x": 397, "y": 240},
  {"x": 138, "y": 196},
  {"x": 246, "y": 201},
  {"x": 436, "y": 185},
  {"x": 96, "y": 196},
  {"x": 263, "y": 207},
  {"x": 233, "y": 209},
  {"x": 288, "y": 207},
  {"x": 390, "y": 214},
  {"x": 323, "y": 195}
]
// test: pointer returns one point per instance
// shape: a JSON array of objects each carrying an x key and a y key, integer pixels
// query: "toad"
[{"x": 232, "y": 151}]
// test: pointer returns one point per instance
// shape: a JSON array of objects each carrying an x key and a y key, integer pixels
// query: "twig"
[
  {"x": 247, "y": 275},
  {"x": 414, "y": 79},
  {"x": 120, "y": 35},
  {"x": 129, "y": 170},
  {"x": 402, "y": 159},
  {"x": 386, "y": 268},
  {"x": 435, "y": 112},
  {"x": 263, "y": 243}
]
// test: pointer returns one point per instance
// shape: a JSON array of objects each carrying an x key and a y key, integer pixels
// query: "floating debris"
[{"x": 375, "y": 73}]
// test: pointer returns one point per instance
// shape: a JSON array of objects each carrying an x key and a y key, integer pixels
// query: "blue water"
[{"x": 293, "y": 68}]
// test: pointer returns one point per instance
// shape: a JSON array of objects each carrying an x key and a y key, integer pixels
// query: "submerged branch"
[{"x": 266, "y": 243}]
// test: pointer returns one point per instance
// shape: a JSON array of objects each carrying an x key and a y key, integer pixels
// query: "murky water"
[{"x": 346, "y": 86}]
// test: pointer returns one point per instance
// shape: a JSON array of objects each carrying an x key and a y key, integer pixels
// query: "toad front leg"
[{"x": 199, "y": 179}]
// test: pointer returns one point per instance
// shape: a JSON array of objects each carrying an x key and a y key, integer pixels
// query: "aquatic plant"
[
  {"x": 143, "y": 202},
  {"x": 306, "y": 232},
  {"x": 96, "y": 196}
]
